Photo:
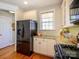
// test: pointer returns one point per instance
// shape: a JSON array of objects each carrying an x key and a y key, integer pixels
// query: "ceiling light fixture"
[
  {"x": 11, "y": 11},
  {"x": 25, "y": 2}
]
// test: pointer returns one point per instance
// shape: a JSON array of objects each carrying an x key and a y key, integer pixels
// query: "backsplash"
[
  {"x": 74, "y": 30},
  {"x": 69, "y": 39}
]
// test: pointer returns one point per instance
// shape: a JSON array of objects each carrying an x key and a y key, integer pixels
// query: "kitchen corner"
[{"x": 66, "y": 47}]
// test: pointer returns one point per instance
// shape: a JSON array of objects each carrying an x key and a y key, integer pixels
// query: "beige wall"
[
  {"x": 18, "y": 14},
  {"x": 58, "y": 22},
  {"x": 34, "y": 14}
]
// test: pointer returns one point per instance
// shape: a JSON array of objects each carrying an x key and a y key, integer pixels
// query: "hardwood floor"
[{"x": 9, "y": 53}]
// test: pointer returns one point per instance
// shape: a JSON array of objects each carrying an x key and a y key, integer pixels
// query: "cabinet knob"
[
  {"x": 35, "y": 39},
  {"x": 39, "y": 42}
]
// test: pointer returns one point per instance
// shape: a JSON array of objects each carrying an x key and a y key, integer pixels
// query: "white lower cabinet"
[
  {"x": 44, "y": 46},
  {"x": 50, "y": 47},
  {"x": 36, "y": 45}
]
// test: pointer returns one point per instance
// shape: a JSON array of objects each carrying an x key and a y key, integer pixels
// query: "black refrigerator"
[{"x": 26, "y": 30}]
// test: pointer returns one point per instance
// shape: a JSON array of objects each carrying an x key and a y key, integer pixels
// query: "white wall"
[
  {"x": 6, "y": 6},
  {"x": 13, "y": 31}
]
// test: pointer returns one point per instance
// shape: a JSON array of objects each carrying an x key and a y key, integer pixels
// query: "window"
[{"x": 47, "y": 21}]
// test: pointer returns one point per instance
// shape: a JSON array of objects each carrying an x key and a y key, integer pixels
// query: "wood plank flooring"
[{"x": 9, "y": 53}]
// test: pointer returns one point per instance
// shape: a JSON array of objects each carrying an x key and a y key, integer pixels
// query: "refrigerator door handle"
[
  {"x": 18, "y": 31},
  {"x": 23, "y": 32}
]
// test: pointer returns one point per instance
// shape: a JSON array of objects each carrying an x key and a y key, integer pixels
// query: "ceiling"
[{"x": 32, "y": 3}]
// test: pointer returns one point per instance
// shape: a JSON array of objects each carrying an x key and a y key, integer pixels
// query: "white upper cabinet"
[{"x": 66, "y": 12}]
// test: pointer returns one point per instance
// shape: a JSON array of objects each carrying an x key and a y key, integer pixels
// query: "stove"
[{"x": 66, "y": 52}]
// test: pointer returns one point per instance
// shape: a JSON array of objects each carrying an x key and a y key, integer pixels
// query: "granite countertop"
[
  {"x": 63, "y": 41},
  {"x": 46, "y": 37},
  {"x": 58, "y": 40}
]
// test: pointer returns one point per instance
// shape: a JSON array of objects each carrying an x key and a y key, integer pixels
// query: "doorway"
[{"x": 6, "y": 32}]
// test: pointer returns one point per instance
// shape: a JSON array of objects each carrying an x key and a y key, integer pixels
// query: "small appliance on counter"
[
  {"x": 67, "y": 37},
  {"x": 78, "y": 40}
]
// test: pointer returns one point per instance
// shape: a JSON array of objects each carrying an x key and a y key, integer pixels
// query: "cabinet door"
[
  {"x": 36, "y": 45},
  {"x": 66, "y": 13},
  {"x": 50, "y": 47},
  {"x": 43, "y": 47}
]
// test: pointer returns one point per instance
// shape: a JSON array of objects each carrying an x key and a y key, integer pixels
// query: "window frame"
[{"x": 48, "y": 11}]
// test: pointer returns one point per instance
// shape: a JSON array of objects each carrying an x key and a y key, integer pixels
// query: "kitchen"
[{"x": 56, "y": 27}]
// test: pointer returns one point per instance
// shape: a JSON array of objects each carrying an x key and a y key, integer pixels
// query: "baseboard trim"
[
  {"x": 7, "y": 46},
  {"x": 43, "y": 55}
]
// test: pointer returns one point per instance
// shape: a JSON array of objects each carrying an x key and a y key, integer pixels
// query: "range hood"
[{"x": 75, "y": 4}]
